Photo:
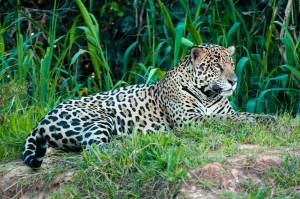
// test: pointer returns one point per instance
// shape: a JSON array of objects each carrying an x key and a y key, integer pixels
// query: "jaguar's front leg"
[
  {"x": 242, "y": 117},
  {"x": 251, "y": 117}
]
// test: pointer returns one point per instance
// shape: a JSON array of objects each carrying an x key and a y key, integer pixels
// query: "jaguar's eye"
[{"x": 220, "y": 66}]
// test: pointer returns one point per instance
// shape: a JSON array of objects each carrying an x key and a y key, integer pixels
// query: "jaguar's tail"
[{"x": 35, "y": 149}]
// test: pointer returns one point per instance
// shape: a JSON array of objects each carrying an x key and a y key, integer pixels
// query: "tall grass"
[
  {"x": 92, "y": 32},
  {"x": 267, "y": 57}
]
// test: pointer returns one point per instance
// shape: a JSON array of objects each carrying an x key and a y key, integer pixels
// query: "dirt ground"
[
  {"x": 214, "y": 179},
  {"x": 207, "y": 181},
  {"x": 19, "y": 181}
]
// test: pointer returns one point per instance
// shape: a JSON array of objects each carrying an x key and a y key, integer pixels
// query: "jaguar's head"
[{"x": 212, "y": 69}]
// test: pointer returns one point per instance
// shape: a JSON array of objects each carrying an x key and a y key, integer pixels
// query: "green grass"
[
  {"x": 14, "y": 129},
  {"x": 286, "y": 180}
]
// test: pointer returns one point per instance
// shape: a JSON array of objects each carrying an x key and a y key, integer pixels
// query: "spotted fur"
[{"x": 194, "y": 89}]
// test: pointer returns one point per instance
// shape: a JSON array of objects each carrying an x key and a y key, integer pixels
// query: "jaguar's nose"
[{"x": 232, "y": 81}]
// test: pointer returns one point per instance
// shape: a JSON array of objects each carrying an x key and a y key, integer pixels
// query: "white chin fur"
[{"x": 227, "y": 93}]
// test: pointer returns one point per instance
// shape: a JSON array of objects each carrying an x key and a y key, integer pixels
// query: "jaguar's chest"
[
  {"x": 216, "y": 106},
  {"x": 202, "y": 106}
]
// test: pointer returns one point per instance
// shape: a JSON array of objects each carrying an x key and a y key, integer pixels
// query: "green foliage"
[
  {"x": 59, "y": 57},
  {"x": 45, "y": 64},
  {"x": 139, "y": 162},
  {"x": 96, "y": 53},
  {"x": 14, "y": 130},
  {"x": 289, "y": 174}
]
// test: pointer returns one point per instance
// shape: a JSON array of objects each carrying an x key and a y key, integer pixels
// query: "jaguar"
[{"x": 195, "y": 89}]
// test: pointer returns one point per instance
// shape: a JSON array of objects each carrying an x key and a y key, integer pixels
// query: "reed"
[{"x": 267, "y": 57}]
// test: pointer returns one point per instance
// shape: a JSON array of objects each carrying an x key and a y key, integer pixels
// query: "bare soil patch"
[
  {"x": 214, "y": 179},
  {"x": 19, "y": 181}
]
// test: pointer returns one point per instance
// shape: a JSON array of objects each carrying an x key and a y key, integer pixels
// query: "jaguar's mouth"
[
  {"x": 228, "y": 92},
  {"x": 217, "y": 89},
  {"x": 205, "y": 91}
]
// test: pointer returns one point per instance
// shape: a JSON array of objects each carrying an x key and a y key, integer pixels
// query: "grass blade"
[{"x": 167, "y": 19}]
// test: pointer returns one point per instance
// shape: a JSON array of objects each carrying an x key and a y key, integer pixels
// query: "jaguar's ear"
[
  {"x": 197, "y": 54},
  {"x": 231, "y": 50}
]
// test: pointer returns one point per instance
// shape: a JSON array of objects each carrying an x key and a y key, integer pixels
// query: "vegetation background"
[{"x": 53, "y": 50}]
